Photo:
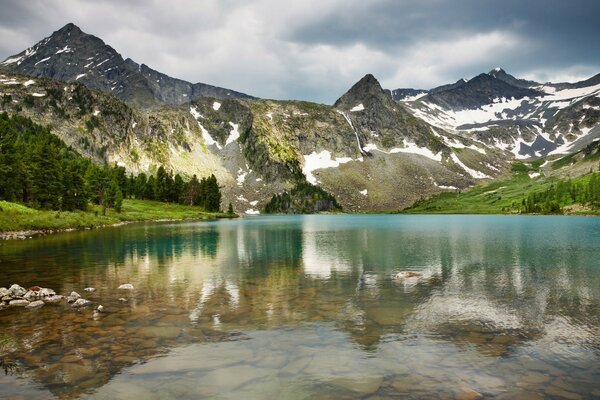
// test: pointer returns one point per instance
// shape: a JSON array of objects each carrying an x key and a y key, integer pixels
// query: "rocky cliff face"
[{"x": 71, "y": 55}]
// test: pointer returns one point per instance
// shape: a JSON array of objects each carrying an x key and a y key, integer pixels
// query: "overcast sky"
[{"x": 316, "y": 49}]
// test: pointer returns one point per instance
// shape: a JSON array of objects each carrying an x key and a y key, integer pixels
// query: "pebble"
[
  {"x": 123, "y": 300},
  {"x": 90, "y": 289},
  {"x": 100, "y": 308},
  {"x": 126, "y": 286}
]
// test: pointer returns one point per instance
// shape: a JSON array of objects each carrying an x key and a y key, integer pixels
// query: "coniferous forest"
[{"x": 38, "y": 169}]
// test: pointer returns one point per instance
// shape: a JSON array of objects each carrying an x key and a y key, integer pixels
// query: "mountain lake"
[{"x": 310, "y": 307}]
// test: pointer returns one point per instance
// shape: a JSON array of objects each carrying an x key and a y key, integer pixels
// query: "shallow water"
[{"x": 306, "y": 307}]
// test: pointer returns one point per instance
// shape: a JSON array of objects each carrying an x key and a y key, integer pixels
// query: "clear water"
[{"x": 306, "y": 307}]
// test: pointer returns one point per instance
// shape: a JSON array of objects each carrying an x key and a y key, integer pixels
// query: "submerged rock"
[
  {"x": 407, "y": 275},
  {"x": 35, "y": 304},
  {"x": 123, "y": 300},
  {"x": 126, "y": 286},
  {"x": 81, "y": 303},
  {"x": 73, "y": 297},
  {"x": 89, "y": 289}
]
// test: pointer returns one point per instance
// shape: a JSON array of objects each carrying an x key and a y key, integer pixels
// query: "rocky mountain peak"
[
  {"x": 71, "y": 55},
  {"x": 366, "y": 91}
]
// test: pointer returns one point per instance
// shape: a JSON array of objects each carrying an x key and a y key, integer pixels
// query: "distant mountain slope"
[
  {"x": 71, "y": 55},
  {"x": 529, "y": 119}
]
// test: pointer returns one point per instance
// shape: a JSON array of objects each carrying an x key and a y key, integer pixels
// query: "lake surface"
[{"x": 305, "y": 307}]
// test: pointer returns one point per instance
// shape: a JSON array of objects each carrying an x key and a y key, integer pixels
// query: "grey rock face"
[{"x": 74, "y": 56}]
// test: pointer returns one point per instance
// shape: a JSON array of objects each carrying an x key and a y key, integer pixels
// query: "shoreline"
[{"x": 31, "y": 233}]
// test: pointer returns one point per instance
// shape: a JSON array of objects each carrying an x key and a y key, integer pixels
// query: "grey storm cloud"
[{"x": 316, "y": 49}]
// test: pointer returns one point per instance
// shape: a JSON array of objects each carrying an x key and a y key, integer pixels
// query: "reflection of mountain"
[{"x": 489, "y": 290}]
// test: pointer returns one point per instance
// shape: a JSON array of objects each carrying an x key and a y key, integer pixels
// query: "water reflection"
[{"x": 518, "y": 300}]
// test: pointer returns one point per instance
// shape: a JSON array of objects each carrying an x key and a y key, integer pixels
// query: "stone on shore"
[
  {"x": 17, "y": 291},
  {"x": 18, "y": 303},
  {"x": 45, "y": 292},
  {"x": 3, "y": 292}
]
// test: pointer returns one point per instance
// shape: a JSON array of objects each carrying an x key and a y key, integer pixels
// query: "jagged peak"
[{"x": 367, "y": 86}]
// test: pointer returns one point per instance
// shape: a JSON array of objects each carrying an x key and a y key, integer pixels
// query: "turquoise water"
[{"x": 307, "y": 307}]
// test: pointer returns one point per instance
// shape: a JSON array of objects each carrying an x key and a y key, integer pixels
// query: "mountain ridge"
[{"x": 70, "y": 55}]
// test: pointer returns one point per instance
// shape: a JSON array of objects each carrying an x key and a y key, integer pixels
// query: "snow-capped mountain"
[
  {"x": 71, "y": 55},
  {"x": 524, "y": 117}
]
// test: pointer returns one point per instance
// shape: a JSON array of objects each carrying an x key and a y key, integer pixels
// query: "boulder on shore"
[{"x": 17, "y": 291}]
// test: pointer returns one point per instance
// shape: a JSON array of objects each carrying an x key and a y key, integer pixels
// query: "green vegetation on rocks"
[{"x": 303, "y": 198}]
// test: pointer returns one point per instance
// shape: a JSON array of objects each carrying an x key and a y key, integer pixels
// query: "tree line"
[
  {"x": 40, "y": 170},
  {"x": 565, "y": 192}
]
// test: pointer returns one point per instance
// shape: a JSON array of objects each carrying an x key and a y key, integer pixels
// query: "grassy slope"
[
  {"x": 16, "y": 217},
  {"x": 500, "y": 197}
]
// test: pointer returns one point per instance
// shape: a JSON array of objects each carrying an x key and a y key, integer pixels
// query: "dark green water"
[{"x": 306, "y": 307}]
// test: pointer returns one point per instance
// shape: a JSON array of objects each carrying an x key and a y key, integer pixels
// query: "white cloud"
[{"x": 247, "y": 46}]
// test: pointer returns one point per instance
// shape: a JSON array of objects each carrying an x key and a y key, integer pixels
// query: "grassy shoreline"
[{"x": 17, "y": 220}]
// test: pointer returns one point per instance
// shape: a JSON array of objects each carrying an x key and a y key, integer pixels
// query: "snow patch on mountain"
[
  {"x": 413, "y": 148},
  {"x": 359, "y": 107},
  {"x": 234, "y": 134},
  {"x": 322, "y": 160},
  {"x": 474, "y": 174},
  {"x": 216, "y": 105}
]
